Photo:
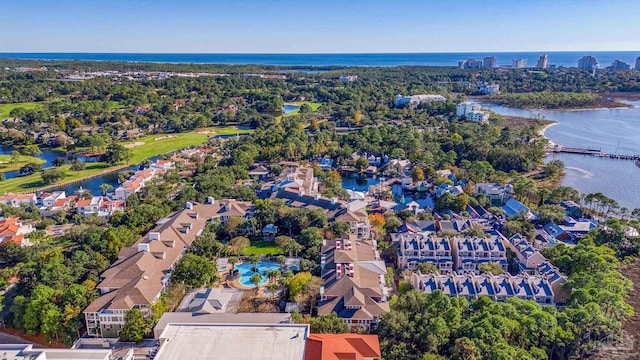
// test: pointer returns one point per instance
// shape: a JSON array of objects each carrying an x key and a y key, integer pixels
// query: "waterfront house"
[
  {"x": 497, "y": 193},
  {"x": 138, "y": 180},
  {"x": 18, "y": 200},
  {"x": 13, "y": 230},
  {"x": 572, "y": 209},
  {"x": 353, "y": 282}
]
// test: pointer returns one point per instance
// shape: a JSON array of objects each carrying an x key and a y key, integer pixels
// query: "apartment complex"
[
  {"x": 353, "y": 282},
  {"x": 489, "y": 62},
  {"x": 137, "y": 278},
  {"x": 471, "y": 111},
  {"x": 519, "y": 63},
  {"x": 620, "y": 65}
]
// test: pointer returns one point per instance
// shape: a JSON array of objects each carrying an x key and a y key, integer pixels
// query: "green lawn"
[
  {"x": 263, "y": 248},
  {"x": 314, "y": 106},
  {"x": 5, "y": 109},
  {"x": 147, "y": 146},
  {"x": 6, "y": 166}
]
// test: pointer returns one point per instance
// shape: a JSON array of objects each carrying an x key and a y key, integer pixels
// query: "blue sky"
[{"x": 322, "y": 26}]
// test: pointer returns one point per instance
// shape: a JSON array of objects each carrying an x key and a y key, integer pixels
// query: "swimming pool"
[{"x": 246, "y": 270}]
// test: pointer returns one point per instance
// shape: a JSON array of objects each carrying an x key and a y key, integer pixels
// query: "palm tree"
[
  {"x": 254, "y": 259},
  {"x": 105, "y": 188},
  {"x": 281, "y": 259},
  {"x": 233, "y": 261},
  {"x": 292, "y": 247},
  {"x": 255, "y": 280}
]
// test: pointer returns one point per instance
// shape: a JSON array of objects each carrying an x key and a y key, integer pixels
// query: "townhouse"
[
  {"x": 353, "y": 282},
  {"x": 140, "y": 178},
  {"x": 13, "y": 230},
  {"x": 414, "y": 249},
  {"x": 18, "y": 200},
  {"x": 471, "y": 252},
  {"x": 496, "y": 287}
]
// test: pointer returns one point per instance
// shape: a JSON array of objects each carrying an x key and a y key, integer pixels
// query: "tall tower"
[{"x": 543, "y": 62}]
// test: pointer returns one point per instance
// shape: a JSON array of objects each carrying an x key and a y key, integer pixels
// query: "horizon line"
[{"x": 314, "y": 53}]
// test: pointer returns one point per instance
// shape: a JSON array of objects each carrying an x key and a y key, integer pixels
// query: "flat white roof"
[{"x": 233, "y": 342}]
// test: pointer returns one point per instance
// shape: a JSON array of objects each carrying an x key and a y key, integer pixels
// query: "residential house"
[
  {"x": 142, "y": 271},
  {"x": 259, "y": 172},
  {"x": 471, "y": 252},
  {"x": 353, "y": 282},
  {"x": 298, "y": 179},
  {"x": 496, "y": 287},
  {"x": 13, "y": 230},
  {"x": 87, "y": 207},
  {"x": 223, "y": 210},
  {"x": 414, "y": 249},
  {"x": 570, "y": 230},
  {"x": 572, "y": 209},
  {"x": 18, "y": 200},
  {"x": 497, "y": 193},
  {"x": 514, "y": 207},
  {"x": 137, "y": 181},
  {"x": 400, "y": 166},
  {"x": 446, "y": 188},
  {"x": 269, "y": 232},
  {"x": 342, "y": 347},
  {"x": 48, "y": 200}
]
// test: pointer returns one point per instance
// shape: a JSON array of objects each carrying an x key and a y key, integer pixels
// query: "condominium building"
[
  {"x": 353, "y": 282},
  {"x": 638, "y": 63},
  {"x": 466, "y": 107},
  {"x": 489, "y": 62},
  {"x": 588, "y": 62},
  {"x": 543, "y": 62},
  {"x": 358, "y": 222},
  {"x": 470, "y": 64},
  {"x": 519, "y": 63},
  {"x": 620, "y": 65},
  {"x": 142, "y": 271}
]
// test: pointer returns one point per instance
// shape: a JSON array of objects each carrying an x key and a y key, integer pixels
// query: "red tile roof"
[{"x": 342, "y": 347}]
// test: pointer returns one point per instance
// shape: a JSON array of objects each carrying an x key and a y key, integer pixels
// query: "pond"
[
  {"x": 246, "y": 271},
  {"x": 358, "y": 183},
  {"x": 287, "y": 108}
]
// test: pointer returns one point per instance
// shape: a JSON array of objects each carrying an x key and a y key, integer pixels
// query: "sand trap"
[
  {"x": 135, "y": 144},
  {"x": 164, "y": 137},
  {"x": 205, "y": 132}
]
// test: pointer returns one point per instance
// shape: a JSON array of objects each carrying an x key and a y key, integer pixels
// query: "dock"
[{"x": 592, "y": 152}]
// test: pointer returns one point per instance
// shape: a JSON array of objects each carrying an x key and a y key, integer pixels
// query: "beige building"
[{"x": 353, "y": 282}]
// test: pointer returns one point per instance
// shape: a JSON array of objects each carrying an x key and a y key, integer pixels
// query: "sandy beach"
[{"x": 544, "y": 129}]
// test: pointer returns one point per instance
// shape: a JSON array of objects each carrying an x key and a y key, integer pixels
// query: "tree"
[
  {"x": 105, "y": 188},
  {"x": 297, "y": 284},
  {"x": 233, "y": 260},
  {"x": 15, "y": 157},
  {"x": 292, "y": 248},
  {"x": 116, "y": 154},
  {"x": 52, "y": 175},
  {"x": 30, "y": 168},
  {"x": 194, "y": 270},
  {"x": 339, "y": 228},
  {"x": 254, "y": 260},
  {"x": 77, "y": 165},
  {"x": 239, "y": 244},
  {"x": 282, "y": 241},
  {"x": 59, "y": 161},
  {"x": 551, "y": 213},
  {"x": 361, "y": 164},
  {"x": 417, "y": 174},
  {"x": 328, "y": 324},
  {"x": 492, "y": 268},
  {"x": 255, "y": 279},
  {"x": 135, "y": 327}
]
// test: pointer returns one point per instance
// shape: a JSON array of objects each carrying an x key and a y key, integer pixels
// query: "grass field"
[
  {"x": 142, "y": 148},
  {"x": 314, "y": 107},
  {"x": 6, "y": 166},
  {"x": 263, "y": 248},
  {"x": 5, "y": 109}
]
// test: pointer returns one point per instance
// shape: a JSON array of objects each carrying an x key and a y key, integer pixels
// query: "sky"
[{"x": 320, "y": 26}]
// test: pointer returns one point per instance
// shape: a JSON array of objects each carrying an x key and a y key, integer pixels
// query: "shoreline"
[{"x": 542, "y": 131}]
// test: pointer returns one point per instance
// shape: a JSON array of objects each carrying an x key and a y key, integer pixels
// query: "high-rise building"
[
  {"x": 489, "y": 62},
  {"x": 638, "y": 63},
  {"x": 588, "y": 62},
  {"x": 519, "y": 63},
  {"x": 470, "y": 64},
  {"x": 620, "y": 65},
  {"x": 543, "y": 62}
]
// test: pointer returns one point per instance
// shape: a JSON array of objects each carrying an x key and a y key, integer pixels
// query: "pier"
[{"x": 592, "y": 152}]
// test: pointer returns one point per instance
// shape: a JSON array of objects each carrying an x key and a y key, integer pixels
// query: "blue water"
[
  {"x": 567, "y": 59},
  {"x": 287, "y": 108},
  {"x": 611, "y": 130},
  {"x": 246, "y": 271},
  {"x": 353, "y": 183}
]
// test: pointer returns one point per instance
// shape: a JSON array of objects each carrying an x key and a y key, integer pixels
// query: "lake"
[{"x": 611, "y": 130}]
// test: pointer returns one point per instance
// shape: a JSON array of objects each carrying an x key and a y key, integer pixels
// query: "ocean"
[{"x": 565, "y": 59}]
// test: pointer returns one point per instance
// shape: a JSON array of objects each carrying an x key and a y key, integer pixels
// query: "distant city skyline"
[{"x": 332, "y": 26}]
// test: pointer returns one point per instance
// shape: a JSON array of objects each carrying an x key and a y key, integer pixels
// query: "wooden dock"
[{"x": 592, "y": 152}]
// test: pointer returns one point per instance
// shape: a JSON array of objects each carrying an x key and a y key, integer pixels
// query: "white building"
[
  {"x": 638, "y": 63},
  {"x": 415, "y": 100},
  {"x": 478, "y": 116},
  {"x": 465, "y": 107},
  {"x": 519, "y": 63},
  {"x": 588, "y": 62},
  {"x": 543, "y": 62}
]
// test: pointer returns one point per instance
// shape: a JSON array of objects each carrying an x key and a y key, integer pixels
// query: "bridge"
[{"x": 592, "y": 152}]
